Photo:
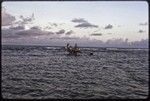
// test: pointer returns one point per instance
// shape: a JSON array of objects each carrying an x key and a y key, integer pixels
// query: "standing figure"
[
  {"x": 75, "y": 47},
  {"x": 75, "y": 50}
]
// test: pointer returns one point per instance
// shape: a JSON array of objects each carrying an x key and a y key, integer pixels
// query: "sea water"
[{"x": 42, "y": 72}]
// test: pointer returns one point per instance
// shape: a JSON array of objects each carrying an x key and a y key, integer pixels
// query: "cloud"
[
  {"x": 18, "y": 28},
  {"x": 34, "y": 31},
  {"x": 20, "y": 32},
  {"x": 69, "y": 32},
  {"x": 70, "y": 38},
  {"x": 143, "y": 24},
  {"x": 79, "y": 20},
  {"x": 64, "y": 37},
  {"x": 47, "y": 27},
  {"x": 26, "y": 38},
  {"x": 83, "y": 23},
  {"x": 53, "y": 24},
  {"x": 7, "y": 19},
  {"x": 125, "y": 44},
  {"x": 141, "y": 31},
  {"x": 115, "y": 41},
  {"x": 109, "y": 26},
  {"x": 35, "y": 27},
  {"x": 97, "y": 30},
  {"x": 96, "y": 34},
  {"x": 140, "y": 44},
  {"x": 9, "y": 33},
  {"x": 60, "y": 31},
  {"x": 30, "y": 32},
  {"x": 49, "y": 33},
  {"x": 26, "y": 20},
  {"x": 86, "y": 25}
]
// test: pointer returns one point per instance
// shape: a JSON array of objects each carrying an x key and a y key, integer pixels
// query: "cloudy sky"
[{"x": 96, "y": 23}]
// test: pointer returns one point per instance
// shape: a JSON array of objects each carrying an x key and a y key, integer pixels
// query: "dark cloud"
[
  {"x": 60, "y": 31},
  {"x": 141, "y": 31},
  {"x": 20, "y": 32},
  {"x": 69, "y": 32},
  {"x": 48, "y": 32},
  {"x": 17, "y": 28},
  {"x": 79, "y": 20},
  {"x": 9, "y": 33},
  {"x": 35, "y": 27},
  {"x": 62, "y": 38},
  {"x": 7, "y": 19},
  {"x": 86, "y": 25},
  {"x": 30, "y": 32},
  {"x": 143, "y": 24},
  {"x": 96, "y": 34},
  {"x": 34, "y": 32},
  {"x": 70, "y": 38},
  {"x": 17, "y": 33},
  {"x": 109, "y": 26},
  {"x": 83, "y": 23}
]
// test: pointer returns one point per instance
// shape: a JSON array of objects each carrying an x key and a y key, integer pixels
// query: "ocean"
[{"x": 43, "y": 72}]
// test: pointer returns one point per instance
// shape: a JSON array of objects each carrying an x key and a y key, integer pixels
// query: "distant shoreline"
[{"x": 78, "y": 46}]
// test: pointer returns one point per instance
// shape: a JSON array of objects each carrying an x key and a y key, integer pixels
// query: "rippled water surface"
[{"x": 48, "y": 72}]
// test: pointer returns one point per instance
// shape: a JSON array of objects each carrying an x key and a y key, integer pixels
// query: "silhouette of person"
[{"x": 75, "y": 47}]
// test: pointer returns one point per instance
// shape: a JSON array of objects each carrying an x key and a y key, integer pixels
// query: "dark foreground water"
[{"x": 48, "y": 72}]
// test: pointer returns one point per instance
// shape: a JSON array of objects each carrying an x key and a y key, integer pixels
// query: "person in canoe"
[{"x": 72, "y": 50}]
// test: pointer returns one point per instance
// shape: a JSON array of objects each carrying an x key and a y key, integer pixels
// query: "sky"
[{"x": 96, "y": 23}]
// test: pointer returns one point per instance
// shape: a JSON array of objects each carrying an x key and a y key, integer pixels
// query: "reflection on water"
[{"x": 48, "y": 72}]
